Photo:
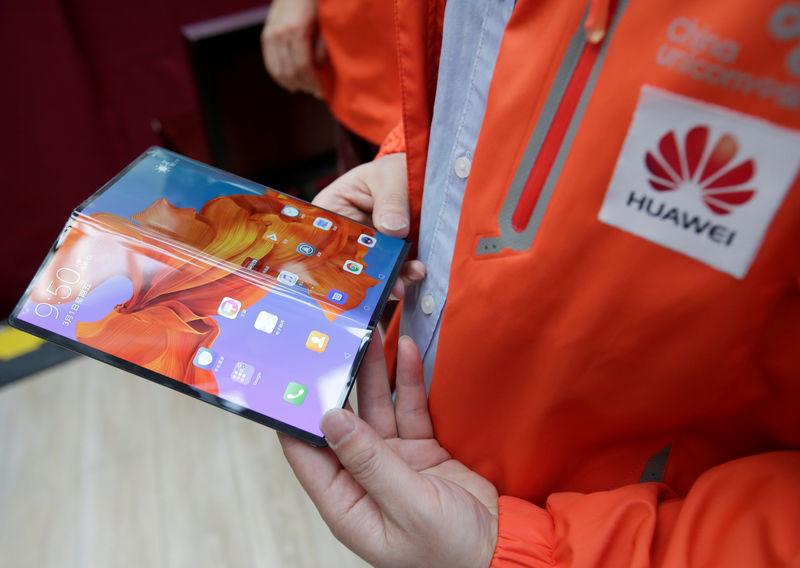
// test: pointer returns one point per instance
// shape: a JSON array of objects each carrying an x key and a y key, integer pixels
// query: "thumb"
[
  {"x": 389, "y": 187},
  {"x": 367, "y": 457}
]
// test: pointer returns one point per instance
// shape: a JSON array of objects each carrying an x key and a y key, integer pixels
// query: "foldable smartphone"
[{"x": 217, "y": 287}]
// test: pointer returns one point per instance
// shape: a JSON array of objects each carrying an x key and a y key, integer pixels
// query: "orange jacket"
[
  {"x": 359, "y": 76},
  {"x": 626, "y": 280}
]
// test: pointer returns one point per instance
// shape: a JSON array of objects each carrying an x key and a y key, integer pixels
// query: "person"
[
  {"x": 343, "y": 53},
  {"x": 602, "y": 367}
]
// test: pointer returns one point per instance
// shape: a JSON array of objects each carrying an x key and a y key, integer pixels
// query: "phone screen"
[{"x": 216, "y": 286}]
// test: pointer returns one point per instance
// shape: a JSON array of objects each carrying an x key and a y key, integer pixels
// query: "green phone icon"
[{"x": 295, "y": 393}]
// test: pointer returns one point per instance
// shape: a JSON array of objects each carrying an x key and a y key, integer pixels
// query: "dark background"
[{"x": 83, "y": 85}]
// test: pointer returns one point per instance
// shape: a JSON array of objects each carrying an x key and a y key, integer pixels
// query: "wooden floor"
[{"x": 102, "y": 468}]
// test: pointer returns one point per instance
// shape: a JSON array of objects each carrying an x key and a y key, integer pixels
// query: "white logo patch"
[{"x": 700, "y": 179}]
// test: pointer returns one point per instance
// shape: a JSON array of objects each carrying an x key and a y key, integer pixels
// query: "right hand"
[
  {"x": 377, "y": 192},
  {"x": 291, "y": 45},
  {"x": 385, "y": 486}
]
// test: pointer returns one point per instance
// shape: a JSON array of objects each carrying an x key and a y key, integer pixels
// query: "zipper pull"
[{"x": 596, "y": 24}]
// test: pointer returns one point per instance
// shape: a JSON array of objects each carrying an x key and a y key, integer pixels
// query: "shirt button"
[
  {"x": 462, "y": 166},
  {"x": 426, "y": 305}
]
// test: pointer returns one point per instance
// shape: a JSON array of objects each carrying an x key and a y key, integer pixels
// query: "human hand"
[
  {"x": 377, "y": 192},
  {"x": 385, "y": 486},
  {"x": 291, "y": 45}
]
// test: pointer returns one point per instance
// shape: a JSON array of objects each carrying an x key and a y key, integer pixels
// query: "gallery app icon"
[
  {"x": 367, "y": 240},
  {"x": 204, "y": 358},
  {"x": 287, "y": 278},
  {"x": 337, "y": 297},
  {"x": 229, "y": 307},
  {"x": 242, "y": 373},
  {"x": 323, "y": 223},
  {"x": 306, "y": 249},
  {"x": 290, "y": 211},
  {"x": 266, "y": 322},
  {"x": 295, "y": 393},
  {"x": 353, "y": 267},
  {"x": 317, "y": 341}
]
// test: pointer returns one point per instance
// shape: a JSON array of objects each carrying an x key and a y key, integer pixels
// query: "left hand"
[
  {"x": 385, "y": 486},
  {"x": 377, "y": 192},
  {"x": 291, "y": 45}
]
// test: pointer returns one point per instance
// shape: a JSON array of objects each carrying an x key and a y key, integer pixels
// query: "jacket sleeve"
[
  {"x": 394, "y": 142},
  {"x": 742, "y": 513}
]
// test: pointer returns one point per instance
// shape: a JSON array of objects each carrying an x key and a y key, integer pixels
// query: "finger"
[
  {"x": 411, "y": 273},
  {"x": 332, "y": 489},
  {"x": 312, "y": 466},
  {"x": 270, "y": 55},
  {"x": 375, "y": 404},
  {"x": 389, "y": 187},
  {"x": 307, "y": 82},
  {"x": 347, "y": 195},
  {"x": 371, "y": 463},
  {"x": 299, "y": 52},
  {"x": 398, "y": 290},
  {"x": 412, "y": 416},
  {"x": 311, "y": 85},
  {"x": 419, "y": 454},
  {"x": 265, "y": 46},
  {"x": 320, "y": 54},
  {"x": 285, "y": 74}
]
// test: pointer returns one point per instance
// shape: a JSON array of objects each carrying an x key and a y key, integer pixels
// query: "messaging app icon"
[
  {"x": 337, "y": 297},
  {"x": 295, "y": 393}
]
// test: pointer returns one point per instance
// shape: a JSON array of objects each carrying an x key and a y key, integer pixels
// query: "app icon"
[
  {"x": 242, "y": 373},
  {"x": 229, "y": 307},
  {"x": 337, "y": 297},
  {"x": 295, "y": 393},
  {"x": 306, "y": 249},
  {"x": 353, "y": 267},
  {"x": 204, "y": 358},
  {"x": 266, "y": 322},
  {"x": 287, "y": 278},
  {"x": 317, "y": 341},
  {"x": 323, "y": 223},
  {"x": 367, "y": 240},
  {"x": 290, "y": 211}
]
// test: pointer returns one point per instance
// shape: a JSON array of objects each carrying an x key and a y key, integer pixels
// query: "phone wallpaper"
[{"x": 213, "y": 281}]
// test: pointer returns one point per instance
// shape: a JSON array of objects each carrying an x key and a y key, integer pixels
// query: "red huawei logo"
[{"x": 720, "y": 182}]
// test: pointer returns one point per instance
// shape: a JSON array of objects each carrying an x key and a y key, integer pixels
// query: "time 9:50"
[{"x": 63, "y": 282}]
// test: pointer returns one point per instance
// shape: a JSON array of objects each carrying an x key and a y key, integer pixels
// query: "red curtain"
[{"x": 82, "y": 82}]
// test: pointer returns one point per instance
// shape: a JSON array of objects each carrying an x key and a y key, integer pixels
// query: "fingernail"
[
  {"x": 337, "y": 425},
  {"x": 393, "y": 222}
]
